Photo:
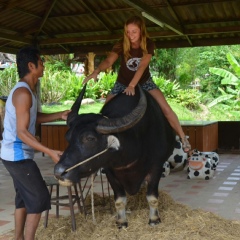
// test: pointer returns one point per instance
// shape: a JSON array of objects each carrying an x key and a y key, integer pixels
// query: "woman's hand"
[
  {"x": 93, "y": 76},
  {"x": 130, "y": 90}
]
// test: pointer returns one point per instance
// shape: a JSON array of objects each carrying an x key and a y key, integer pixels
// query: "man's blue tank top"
[{"x": 13, "y": 148}]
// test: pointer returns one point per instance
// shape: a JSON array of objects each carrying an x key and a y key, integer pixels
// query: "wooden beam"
[
  {"x": 49, "y": 9},
  {"x": 93, "y": 38},
  {"x": 15, "y": 38},
  {"x": 95, "y": 14},
  {"x": 142, "y": 7}
]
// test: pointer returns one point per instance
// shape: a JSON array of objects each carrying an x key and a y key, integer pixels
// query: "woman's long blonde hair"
[{"x": 143, "y": 36}]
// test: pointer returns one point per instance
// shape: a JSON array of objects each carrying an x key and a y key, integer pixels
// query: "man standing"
[{"x": 19, "y": 143}]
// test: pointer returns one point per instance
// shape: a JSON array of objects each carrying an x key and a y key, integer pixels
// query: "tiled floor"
[{"x": 220, "y": 195}]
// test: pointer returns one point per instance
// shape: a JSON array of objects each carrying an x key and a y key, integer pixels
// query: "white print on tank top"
[{"x": 133, "y": 63}]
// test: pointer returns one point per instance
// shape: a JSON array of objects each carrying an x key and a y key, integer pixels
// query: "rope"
[
  {"x": 92, "y": 199},
  {"x": 112, "y": 143},
  {"x": 88, "y": 159}
]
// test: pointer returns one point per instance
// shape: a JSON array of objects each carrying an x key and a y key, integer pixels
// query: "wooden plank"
[
  {"x": 50, "y": 137},
  {"x": 191, "y": 132},
  {"x": 44, "y": 135},
  {"x": 55, "y": 137},
  {"x": 62, "y": 141}
]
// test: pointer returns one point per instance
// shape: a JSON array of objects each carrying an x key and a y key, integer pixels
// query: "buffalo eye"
[{"x": 89, "y": 139}]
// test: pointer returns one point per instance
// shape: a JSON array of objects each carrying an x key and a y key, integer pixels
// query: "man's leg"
[
  {"x": 31, "y": 225},
  {"x": 20, "y": 218}
]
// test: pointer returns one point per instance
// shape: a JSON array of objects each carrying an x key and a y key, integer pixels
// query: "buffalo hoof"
[
  {"x": 122, "y": 225},
  {"x": 154, "y": 222}
]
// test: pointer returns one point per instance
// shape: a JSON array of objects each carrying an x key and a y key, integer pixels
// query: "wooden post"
[
  {"x": 86, "y": 67},
  {"x": 90, "y": 58}
]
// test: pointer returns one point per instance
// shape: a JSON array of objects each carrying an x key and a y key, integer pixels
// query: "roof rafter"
[
  {"x": 140, "y": 6},
  {"x": 44, "y": 19}
]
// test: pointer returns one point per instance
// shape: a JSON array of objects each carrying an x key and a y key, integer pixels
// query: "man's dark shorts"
[
  {"x": 148, "y": 85},
  {"x": 31, "y": 190}
]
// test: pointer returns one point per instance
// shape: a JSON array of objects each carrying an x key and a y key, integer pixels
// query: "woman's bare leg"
[
  {"x": 109, "y": 97},
  {"x": 171, "y": 117}
]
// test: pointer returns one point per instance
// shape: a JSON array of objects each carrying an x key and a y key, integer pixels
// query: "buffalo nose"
[{"x": 59, "y": 170}]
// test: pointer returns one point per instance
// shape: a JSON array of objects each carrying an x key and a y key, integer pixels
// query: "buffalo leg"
[
  {"x": 120, "y": 204},
  {"x": 120, "y": 199},
  {"x": 152, "y": 197},
  {"x": 154, "y": 218}
]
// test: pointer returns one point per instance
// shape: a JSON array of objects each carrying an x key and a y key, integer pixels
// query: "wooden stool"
[{"x": 73, "y": 198}]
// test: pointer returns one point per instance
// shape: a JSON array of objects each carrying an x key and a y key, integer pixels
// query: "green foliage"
[
  {"x": 195, "y": 62},
  {"x": 102, "y": 87},
  {"x": 230, "y": 91},
  {"x": 56, "y": 82},
  {"x": 8, "y": 79},
  {"x": 163, "y": 63},
  {"x": 189, "y": 98},
  {"x": 75, "y": 86},
  {"x": 87, "y": 108},
  {"x": 169, "y": 88}
]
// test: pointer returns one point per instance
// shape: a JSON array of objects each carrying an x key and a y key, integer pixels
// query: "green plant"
[
  {"x": 189, "y": 98},
  {"x": 230, "y": 90},
  {"x": 54, "y": 84},
  {"x": 8, "y": 79},
  {"x": 169, "y": 88}
]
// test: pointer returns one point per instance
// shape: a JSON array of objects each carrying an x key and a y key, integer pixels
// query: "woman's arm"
[{"x": 108, "y": 62}]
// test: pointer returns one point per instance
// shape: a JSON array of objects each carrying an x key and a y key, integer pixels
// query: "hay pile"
[{"x": 178, "y": 222}]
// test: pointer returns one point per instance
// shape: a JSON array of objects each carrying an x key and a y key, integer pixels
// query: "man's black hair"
[{"x": 24, "y": 56}]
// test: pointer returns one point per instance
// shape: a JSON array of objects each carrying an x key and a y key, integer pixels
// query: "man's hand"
[
  {"x": 65, "y": 114},
  {"x": 55, "y": 155}
]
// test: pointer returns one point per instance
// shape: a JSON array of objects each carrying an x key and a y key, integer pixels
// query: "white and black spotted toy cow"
[
  {"x": 178, "y": 159},
  {"x": 200, "y": 167},
  {"x": 213, "y": 156},
  {"x": 166, "y": 169}
]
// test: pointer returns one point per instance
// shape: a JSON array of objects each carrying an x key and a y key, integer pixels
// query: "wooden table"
[
  {"x": 53, "y": 135},
  {"x": 203, "y": 135}
]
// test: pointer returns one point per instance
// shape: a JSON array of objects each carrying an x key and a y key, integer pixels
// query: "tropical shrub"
[
  {"x": 55, "y": 83},
  {"x": 169, "y": 88},
  {"x": 189, "y": 98},
  {"x": 230, "y": 84},
  {"x": 8, "y": 79}
]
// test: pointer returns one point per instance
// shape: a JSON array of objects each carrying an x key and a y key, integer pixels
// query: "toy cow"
[
  {"x": 213, "y": 156},
  {"x": 200, "y": 166},
  {"x": 166, "y": 169},
  {"x": 178, "y": 159}
]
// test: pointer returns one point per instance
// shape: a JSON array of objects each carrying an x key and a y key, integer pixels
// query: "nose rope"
[
  {"x": 112, "y": 143},
  {"x": 87, "y": 160}
]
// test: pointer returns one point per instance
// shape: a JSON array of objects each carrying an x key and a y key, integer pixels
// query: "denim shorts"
[
  {"x": 119, "y": 88},
  {"x": 31, "y": 190}
]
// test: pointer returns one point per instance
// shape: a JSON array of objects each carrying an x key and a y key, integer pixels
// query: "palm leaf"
[
  {"x": 227, "y": 76},
  {"x": 220, "y": 99}
]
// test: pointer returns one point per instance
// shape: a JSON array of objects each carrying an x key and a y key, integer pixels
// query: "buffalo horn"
[
  {"x": 115, "y": 125},
  {"x": 76, "y": 106}
]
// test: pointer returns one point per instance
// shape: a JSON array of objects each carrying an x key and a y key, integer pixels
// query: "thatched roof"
[{"x": 60, "y": 26}]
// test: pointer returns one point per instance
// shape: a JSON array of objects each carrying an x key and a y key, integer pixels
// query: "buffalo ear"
[
  {"x": 68, "y": 134},
  {"x": 75, "y": 107}
]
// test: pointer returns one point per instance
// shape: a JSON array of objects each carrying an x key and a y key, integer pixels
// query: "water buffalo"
[{"x": 130, "y": 138}]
